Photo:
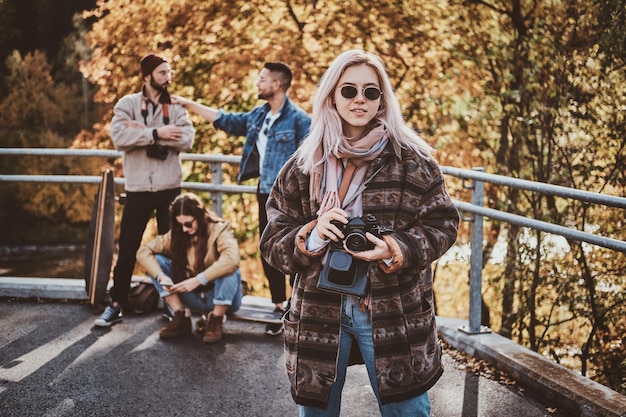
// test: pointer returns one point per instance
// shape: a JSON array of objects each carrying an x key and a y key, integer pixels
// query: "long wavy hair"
[
  {"x": 326, "y": 124},
  {"x": 189, "y": 204}
]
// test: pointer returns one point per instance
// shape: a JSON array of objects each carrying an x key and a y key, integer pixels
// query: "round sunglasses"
[
  {"x": 370, "y": 93},
  {"x": 187, "y": 225}
]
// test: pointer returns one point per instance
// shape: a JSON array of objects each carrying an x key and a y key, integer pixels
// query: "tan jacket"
[
  {"x": 222, "y": 256},
  {"x": 131, "y": 134}
]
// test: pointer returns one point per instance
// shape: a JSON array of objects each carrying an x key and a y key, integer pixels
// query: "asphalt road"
[{"x": 54, "y": 363}]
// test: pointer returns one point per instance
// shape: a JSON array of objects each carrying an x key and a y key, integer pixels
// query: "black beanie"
[{"x": 149, "y": 62}]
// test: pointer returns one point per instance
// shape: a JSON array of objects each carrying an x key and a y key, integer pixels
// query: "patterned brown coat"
[{"x": 409, "y": 196}]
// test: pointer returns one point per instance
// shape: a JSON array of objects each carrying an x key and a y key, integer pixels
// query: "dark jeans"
[
  {"x": 138, "y": 208},
  {"x": 276, "y": 279}
]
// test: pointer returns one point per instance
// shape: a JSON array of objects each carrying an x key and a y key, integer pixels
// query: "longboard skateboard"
[
  {"x": 258, "y": 314},
  {"x": 100, "y": 244},
  {"x": 258, "y": 309},
  {"x": 253, "y": 308}
]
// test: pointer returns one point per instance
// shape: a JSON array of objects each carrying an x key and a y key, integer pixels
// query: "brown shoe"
[
  {"x": 177, "y": 327},
  {"x": 213, "y": 333}
]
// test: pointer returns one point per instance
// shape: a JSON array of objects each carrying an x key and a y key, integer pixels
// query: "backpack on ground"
[{"x": 143, "y": 297}]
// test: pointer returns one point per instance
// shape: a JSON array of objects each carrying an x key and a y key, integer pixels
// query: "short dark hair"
[{"x": 285, "y": 74}]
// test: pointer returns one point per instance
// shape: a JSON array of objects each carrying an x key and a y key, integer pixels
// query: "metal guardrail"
[
  {"x": 476, "y": 207},
  {"x": 540, "y": 187},
  {"x": 215, "y": 161},
  {"x": 479, "y": 178}
]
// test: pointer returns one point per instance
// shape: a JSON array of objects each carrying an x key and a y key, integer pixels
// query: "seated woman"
[{"x": 194, "y": 267}]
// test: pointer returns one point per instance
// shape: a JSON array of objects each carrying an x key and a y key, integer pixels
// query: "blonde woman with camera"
[{"x": 360, "y": 161}]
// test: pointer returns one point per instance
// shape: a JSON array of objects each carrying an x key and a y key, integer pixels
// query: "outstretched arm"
[{"x": 208, "y": 113}]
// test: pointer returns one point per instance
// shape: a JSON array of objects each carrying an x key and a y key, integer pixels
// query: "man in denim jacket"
[{"x": 273, "y": 132}]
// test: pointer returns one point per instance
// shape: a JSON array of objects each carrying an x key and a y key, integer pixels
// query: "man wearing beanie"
[{"x": 151, "y": 133}]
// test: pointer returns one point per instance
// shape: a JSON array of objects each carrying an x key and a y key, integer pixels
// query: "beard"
[
  {"x": 158, "y": 87},
  {"x": 265, "y": 96}
]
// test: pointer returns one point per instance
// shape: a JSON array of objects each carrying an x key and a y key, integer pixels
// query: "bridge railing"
[
  {"x": 474, "y": 210},
  {"x": 215, "y": 162}
]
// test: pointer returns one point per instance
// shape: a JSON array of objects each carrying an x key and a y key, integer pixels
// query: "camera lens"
[{"x": 356, "y": 242}]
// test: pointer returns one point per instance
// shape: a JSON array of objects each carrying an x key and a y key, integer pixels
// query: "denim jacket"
[{"x": 283, "y": 138}]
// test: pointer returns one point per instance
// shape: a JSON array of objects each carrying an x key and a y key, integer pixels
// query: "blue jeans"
[
  {"x": 355, "y": 325},
  {"x": 227, "y": 291}
]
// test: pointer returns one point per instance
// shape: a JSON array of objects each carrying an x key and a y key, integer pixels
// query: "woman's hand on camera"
[
  {"x": 379, "y": 251},
  {"x": 326, "y": 230}
]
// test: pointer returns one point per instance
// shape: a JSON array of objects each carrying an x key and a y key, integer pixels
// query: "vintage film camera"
[
  {"x": 155, "y": 151},
  {"x": 342, "y": 273},
  {"x": 354, "y": 233}
]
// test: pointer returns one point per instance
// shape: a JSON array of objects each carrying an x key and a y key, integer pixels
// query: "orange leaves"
[{"x": 33, "y": 100}]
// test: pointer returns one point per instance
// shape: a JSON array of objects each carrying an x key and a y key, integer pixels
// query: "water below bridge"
[{"x": 51, "y": 261}]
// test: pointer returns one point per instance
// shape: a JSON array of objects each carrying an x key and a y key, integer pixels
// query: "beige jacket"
[
  {"x": 131, "y": 134},
  {"x": 222, "y": 256}
]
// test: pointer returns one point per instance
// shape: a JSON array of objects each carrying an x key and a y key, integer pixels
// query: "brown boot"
[
  {"x": 213, "y": 333},
  {"x": 177, "y": 327}
]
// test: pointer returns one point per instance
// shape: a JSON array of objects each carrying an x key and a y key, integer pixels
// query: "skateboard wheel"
[{"x": 201, "y": 325}]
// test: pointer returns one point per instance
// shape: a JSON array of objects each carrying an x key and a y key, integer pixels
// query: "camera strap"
[
  {"x": 144, "y": 110},
  {"x": 362, "y": 187}
]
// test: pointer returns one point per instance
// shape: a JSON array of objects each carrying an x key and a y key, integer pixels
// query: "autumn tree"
[
  {"x": 27, "y": 26},
  {"x": 32, "y": 115},
  {"x": 44, "y": 102},
  {"x": 551, "y": 95}
]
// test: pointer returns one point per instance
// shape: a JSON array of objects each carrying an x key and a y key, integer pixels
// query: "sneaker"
[
  {"x": 112, "y": 314},
  {"x": 274, "y": 329}
]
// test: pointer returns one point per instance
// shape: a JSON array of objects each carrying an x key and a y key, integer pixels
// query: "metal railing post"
[
  {"x": 216, "y": 178},
  {"x": 476, "y": 260}
]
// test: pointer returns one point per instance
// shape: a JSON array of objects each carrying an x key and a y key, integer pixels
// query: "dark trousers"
[
  {"x": 276, "y": 279},
  {"x": 138, "y": 209}
]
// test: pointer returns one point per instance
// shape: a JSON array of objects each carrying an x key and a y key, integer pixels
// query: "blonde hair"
[{"x": 326, "y": 126}]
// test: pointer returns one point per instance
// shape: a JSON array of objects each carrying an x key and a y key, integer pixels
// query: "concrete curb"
[
  {"x": 49, "y": 288},
  {"x": 567, "y": 389}
]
